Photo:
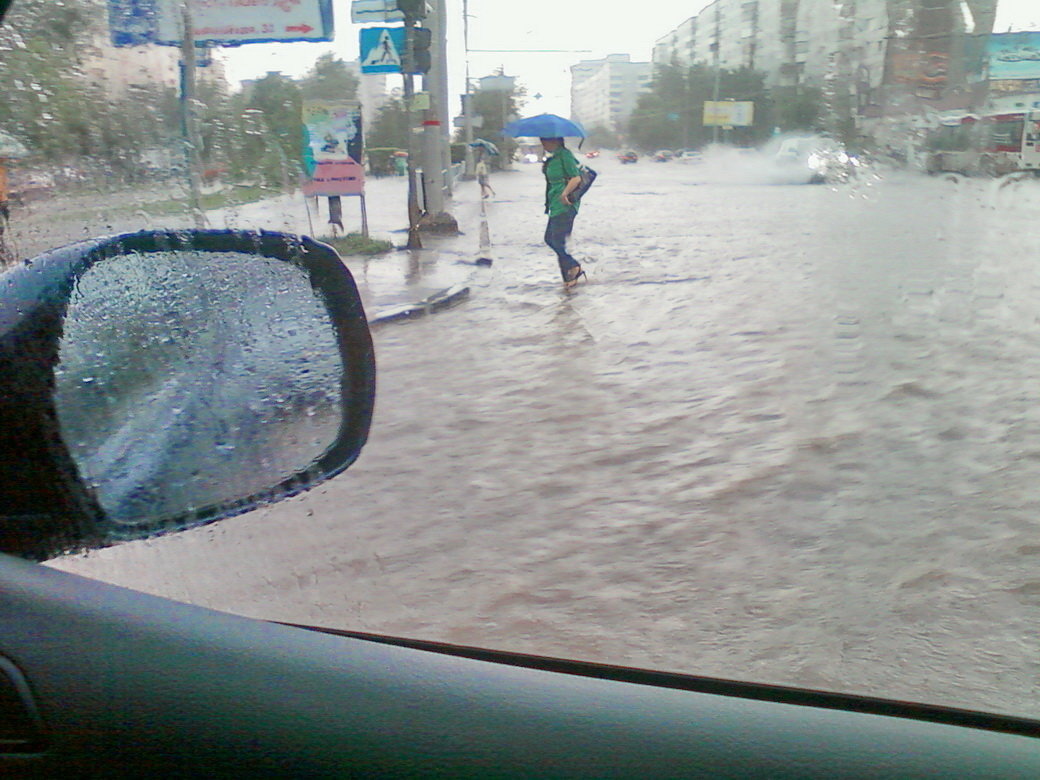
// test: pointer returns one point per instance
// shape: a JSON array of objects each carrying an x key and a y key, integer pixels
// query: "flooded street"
[{"x": 787, "y": 434}]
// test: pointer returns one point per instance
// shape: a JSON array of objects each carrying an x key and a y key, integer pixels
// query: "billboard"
[
  {"x": 1014, "y": 55},
  {"x": 220, "y": 22},
  {"x": 333, "y": 148},
  {"x": 729, "y": 113}
]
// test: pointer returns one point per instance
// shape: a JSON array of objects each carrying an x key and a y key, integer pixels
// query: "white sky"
[
  {"x": 494, "y": 24},
  {"x": 601, "y": 26}
]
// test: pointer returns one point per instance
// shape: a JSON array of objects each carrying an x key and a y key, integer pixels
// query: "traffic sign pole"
[
  {"x": 414, "y": 215},
  {"x": 189, "y": 127},
  {"x": 435, "y": 146}
]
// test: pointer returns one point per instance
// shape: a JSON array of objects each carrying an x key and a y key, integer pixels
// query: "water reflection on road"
[{"x": 786, "y": 434}]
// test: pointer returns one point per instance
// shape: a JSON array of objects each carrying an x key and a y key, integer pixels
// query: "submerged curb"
[{"x": 442, "y": 299}]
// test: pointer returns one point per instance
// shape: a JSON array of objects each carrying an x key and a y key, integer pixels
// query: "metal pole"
[
  {"x": 189, "y": 127},
  {"x": 434, "y": 142},
  {"x": 467, "y": 103},
  {"x": 414, "y": 242},
  {"x": 715, "y": 92},
  {"x": 433, "y": 184},
  {"x": 440, "y": 60}
]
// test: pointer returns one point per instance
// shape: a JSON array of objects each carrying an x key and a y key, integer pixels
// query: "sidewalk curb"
[{"x": 442, "y": 299}]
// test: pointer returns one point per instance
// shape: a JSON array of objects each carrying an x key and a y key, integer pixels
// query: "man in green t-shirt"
[{"x": 561, "y": 177}]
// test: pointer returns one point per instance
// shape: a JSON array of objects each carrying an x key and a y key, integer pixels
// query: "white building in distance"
[
  {"x": 892, "y": 56},
  {"x": 604, "y": 92}
]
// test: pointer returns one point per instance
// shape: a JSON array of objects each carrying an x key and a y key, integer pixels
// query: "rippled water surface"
[{"x": 785, "y": 433}]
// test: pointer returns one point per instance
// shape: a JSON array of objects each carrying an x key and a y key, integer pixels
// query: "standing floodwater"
[{"x": 785, "y": 433}]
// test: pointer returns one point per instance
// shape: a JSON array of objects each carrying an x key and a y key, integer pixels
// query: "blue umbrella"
[
  {"x": 544, "y": 126},
  {"x": 487, "y": 146}
]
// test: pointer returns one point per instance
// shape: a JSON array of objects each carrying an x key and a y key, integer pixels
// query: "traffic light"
[
  {"x": 413, "y": 10},
  {"x": 419, "y": 49}
]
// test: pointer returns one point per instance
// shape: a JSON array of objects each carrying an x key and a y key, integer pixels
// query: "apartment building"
[
  {"x": 123, "y": 69},
  {"x": 885, "y": 56},
  {"x": 604, "y": 92}
]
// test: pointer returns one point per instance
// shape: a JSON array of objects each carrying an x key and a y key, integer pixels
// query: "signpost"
[
  {"x": 382, "y": 49},
  {"x": 333, "y": 155},
  {"x": 368, "y": 11},
  {"x": 220, "y": 22},
  {"x": 132, "y": 22}
]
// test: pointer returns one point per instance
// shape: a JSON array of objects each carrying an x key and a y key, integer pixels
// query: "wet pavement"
[{"x": 785, "y": 434}]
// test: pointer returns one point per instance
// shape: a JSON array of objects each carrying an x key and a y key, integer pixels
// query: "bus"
[{"x": 991, "y": 145}]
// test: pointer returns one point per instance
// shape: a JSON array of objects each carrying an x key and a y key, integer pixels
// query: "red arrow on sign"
[{"x": 304, "y": 28}]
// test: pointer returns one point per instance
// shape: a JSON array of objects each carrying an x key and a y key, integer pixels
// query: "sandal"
[{"x": 573, "y": 274}]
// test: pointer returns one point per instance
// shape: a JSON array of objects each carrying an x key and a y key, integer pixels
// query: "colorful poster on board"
[
  {"x": 1014, "y": 55},
  {"x": 333, "y": 148}
]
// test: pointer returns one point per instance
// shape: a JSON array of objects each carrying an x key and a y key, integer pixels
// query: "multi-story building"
[
  {"x": 124, "y": 69},
  {"x": 604, "y": 92},
  {"x": 371, "y": 93},
  {"x": 882, "y": 57}
]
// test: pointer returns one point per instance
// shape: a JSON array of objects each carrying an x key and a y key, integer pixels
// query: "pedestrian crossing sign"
[{"x": 381, "y": 49}]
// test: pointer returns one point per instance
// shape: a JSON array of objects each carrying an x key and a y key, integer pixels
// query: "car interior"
[{"x": 126, "y": 414}]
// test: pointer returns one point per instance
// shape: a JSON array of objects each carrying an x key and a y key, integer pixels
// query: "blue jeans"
[{"x": 556, "y": 234}]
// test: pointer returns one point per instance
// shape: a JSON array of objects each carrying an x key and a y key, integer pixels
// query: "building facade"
[
  {"x": 604, "y": 92},
  {"x": 881, "y": 57}
]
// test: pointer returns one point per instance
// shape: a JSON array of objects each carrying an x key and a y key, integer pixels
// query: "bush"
[
  {"x": 357, "y": 244},
  {"x": 380, "y": 161}
]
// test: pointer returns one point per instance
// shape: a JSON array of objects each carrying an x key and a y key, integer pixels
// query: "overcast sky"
[{"x": 598, "y": 26}]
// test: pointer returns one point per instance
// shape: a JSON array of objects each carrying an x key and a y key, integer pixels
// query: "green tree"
[
  {"x": 601, "y": 137},
  {"x": 796, "y": 108},
  {"x": 670, "y": 114},
  {"x": 47, "y": 101},
  {"x": 330, "y": 78},
  {"x": 63, "y": 114},
  {"x": 390, "y": 128},
  {"x": 268, "y": 135},
  {"x": 497, "y": 107}
]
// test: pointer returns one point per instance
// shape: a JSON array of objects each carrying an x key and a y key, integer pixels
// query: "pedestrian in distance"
[
  {"x": 483, "y": 178},
  {"x": 562, "y": 175}
]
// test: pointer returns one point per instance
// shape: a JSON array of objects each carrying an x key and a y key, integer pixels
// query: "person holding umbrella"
[
  {"x": 484, "y": 149},
  {"x": 562, "y": 175}
]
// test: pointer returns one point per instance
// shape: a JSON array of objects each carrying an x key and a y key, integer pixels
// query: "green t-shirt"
[{"x": 559, "y": 168}]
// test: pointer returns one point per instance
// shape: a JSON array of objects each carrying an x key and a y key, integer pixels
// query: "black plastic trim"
[
  {"x": 781, "y": 694},
  {"x": 21, "y": 730}
]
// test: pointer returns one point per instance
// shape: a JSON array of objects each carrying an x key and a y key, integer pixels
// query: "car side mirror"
[{"x": 156, "y": 381}]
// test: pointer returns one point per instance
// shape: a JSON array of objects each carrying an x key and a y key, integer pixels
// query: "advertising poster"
[
  {"x": 728, "y": 113},
  {"x": 1014, "y": 56},
  {"x": 334, "y": 146}
]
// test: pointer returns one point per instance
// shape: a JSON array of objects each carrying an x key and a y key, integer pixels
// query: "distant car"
[
  {"x": 628, "y": 156},
  {"x": 689, "y": 156},
  {"x": 592, "y": 155},
  {"x": 663, "y": 155},
  {"x": 817, "y": 158}
]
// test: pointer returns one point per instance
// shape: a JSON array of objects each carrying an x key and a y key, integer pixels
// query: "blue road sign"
[
  {"x": 132, "y": 22},
  {"x": 381, "y": 49}
]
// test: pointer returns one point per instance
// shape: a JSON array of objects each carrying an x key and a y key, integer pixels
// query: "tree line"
[
  {"x": 69, "y": 119},
  {"x": 670, "y": 114}
]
